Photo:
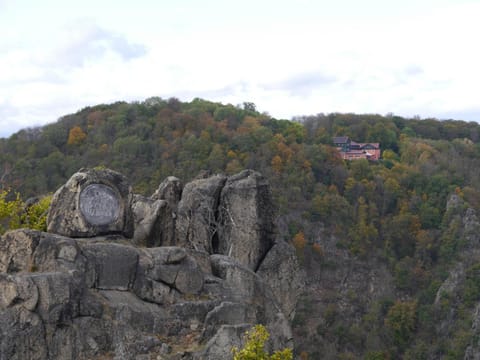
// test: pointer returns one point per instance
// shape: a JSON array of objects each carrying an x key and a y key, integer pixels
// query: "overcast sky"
[{"x": 289, "y": 57}]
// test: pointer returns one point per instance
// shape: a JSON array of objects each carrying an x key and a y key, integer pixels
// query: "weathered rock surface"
[
  {"x": 246, "y": 230},
  {"x": 281, "y": 268},
  {"x": 154, "y": 224},
  {"x": 169, "y": 190},
  {"x": 196, "y": 224},
  {"x": 95, "y": 294},
  {"x": 93, "y": 202}
]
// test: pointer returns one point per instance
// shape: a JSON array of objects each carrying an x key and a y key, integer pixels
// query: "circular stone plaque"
[{"x": 99, "y": 204}]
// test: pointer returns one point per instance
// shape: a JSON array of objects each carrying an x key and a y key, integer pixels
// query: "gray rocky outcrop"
[
  {"x": 196, "y": 224},
  {"x": 232, "y": 216},
  {"x": 132, "y": 292},
  {"x": 286, "y": 280},
  {"x": 246, "y": 229},
  {"x": 169, "y": 190},
  {"x": 93, "y": 202},
  {"x": 154, "y": 223}
]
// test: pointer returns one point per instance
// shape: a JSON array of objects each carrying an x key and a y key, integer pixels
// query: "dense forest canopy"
[
  {"x": 394, "y": 208},
  {"x": 158, "y": 137}
]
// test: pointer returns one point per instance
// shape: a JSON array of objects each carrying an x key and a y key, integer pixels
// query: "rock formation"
[
  {"x": 91, "y": 203},
  {"x": 179, "y": 275}
]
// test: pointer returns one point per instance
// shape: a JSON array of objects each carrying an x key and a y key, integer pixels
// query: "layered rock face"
[{"x": 179, "y": 275}]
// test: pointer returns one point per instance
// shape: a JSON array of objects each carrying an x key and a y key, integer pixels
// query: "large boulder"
[
  {"x": 27, "y": 250},
  {"x": 246, "y": 213},
  {"x": 154, "y": 223},
  {"x": 174, "y": 267},
  {"x": 169, "y": 190},
  {"x": 92, "y": 202},
  {"x": 16, "y": 249},
  {"x": 110, "y": 266},
  {"x": 196, "y": 223},
  {"x": 281, "y": 270}
]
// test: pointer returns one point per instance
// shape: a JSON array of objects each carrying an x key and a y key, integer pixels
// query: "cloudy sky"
[{"x": 289, "y": 57}]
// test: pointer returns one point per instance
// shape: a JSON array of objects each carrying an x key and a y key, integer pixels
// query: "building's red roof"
[{"x": 357, "y": 150}]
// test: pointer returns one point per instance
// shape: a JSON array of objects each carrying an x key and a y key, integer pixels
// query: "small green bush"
[
  {"x": 15, "y": 214},
  {"x": 254, "y": 348}
]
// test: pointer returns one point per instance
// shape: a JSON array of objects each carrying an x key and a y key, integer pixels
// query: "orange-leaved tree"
[{"x": 76, "y": 136}]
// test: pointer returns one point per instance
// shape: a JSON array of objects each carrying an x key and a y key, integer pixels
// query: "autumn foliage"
[
  {"x": 76, "y": 136},
  {"x": 393, "y": 211}
]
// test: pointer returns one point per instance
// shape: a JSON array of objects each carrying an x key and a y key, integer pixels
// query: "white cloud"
[
  {"x": 297, "y": 60},
  {"x": 84, "y": 41},
  {"x": 42, "y": 82}
]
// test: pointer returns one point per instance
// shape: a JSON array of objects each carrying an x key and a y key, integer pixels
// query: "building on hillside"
[{"x": 351, "y": 150}]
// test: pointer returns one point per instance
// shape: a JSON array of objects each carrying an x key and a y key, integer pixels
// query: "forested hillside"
[{"x": 388, "y": 217}]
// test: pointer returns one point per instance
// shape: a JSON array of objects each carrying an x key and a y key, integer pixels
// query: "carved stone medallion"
[{"x": 99, "y": 204}]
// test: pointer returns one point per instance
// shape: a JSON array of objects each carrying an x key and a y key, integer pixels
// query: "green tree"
[
  {"x": 401, "y": 319},
  {"x": 400, "y": 233},
  {"x": 10, "y": 211},
  {"x": 472, "y": 285},
  {"x": 360, "y": 169},
  {"x": 363, "y": 232},
  {"x": 254, "y": 348},
  {"x": 16, "y": 214},
  {"x": 385, "y": 134},
  {"x": 35, "y": 216},
  {"x": 331, "y": 208}
]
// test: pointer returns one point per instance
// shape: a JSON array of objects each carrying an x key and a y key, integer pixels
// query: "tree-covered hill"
[{"x": 391, "y": 214}]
